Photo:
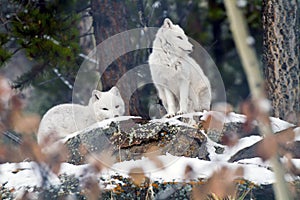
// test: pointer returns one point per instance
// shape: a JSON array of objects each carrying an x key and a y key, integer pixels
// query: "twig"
[
  {"x": 155, "y": 5},
  {"x": 86, "y": 34},
  {"x": 84, "y": 8},
  {"x": 16, "y": 50},
  {"x": 12, "y": 137},
  {"x": 141, "y": 13},
  {"x": 251, "y": 66},
  {"x": 65, "y": 81}
]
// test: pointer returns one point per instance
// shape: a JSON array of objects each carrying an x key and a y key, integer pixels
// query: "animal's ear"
[
  {"x": 96, "y": 94},
  {"x": 114, "y": 90},
  {"x": 168, "y": 23}
]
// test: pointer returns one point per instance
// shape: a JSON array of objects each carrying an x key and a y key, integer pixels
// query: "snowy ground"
[{"x": 18, "y": 175}]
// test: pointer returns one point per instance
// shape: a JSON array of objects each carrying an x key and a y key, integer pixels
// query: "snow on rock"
[
  {"x": 297, "y": 133},
  {"x": 18, "y": 175},
  {"x": 279, "y": 125},
  {"x": 255, "y": 170},
  {"x": 242, "y": 143},
  {"x": 103, "y": 124},
  {"x": 276, "y": 123}
]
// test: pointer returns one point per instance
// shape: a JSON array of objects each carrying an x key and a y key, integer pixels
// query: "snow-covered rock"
[{"x": 167, "y": 165}]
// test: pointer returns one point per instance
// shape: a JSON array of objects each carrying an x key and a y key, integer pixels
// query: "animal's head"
[
  {"x": 107, "y": 104},
  {"x": 172, "y": 36}
]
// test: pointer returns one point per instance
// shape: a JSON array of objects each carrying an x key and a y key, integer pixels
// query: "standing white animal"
[
  {"x": 61, "y": 120},
  {"x": 180, "y": 82}
]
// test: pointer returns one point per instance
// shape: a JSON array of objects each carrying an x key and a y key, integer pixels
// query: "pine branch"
[
  {"x": 251, "y": 66},
  {"x": 26, "y": 78}
]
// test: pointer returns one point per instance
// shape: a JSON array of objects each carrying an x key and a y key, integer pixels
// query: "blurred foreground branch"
[{"x": 244, "y": 43}]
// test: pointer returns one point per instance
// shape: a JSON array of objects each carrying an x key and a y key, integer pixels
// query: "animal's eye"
[
  {"x": 117, "y": 106},
  {"x": 96, "y": 97},
  {"x": 104, "y": 108},
  {"x": 180, "y": 37}
]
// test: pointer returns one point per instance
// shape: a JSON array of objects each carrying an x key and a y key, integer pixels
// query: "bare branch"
[{"x": 250, "y": 63}]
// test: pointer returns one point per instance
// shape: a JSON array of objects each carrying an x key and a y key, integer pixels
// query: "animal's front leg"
[
  {"x": 184, "y": 97},
  {"x": 162, "y": 96},
  {"x": 171, "y": 103}
]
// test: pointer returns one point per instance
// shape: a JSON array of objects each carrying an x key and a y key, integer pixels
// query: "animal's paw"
[
  {"x": 170, "y": 115},
  {"x": 180, "y": 112}
]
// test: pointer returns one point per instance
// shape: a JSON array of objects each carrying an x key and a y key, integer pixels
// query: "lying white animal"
[{"x": 64, "y": 119}]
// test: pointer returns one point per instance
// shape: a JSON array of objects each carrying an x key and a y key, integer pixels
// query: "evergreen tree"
[{"x": 47, "y": 32}]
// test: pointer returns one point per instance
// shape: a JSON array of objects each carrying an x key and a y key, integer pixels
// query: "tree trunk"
[
  {"x": 109, "y": 18},
  {"x": 281, "y": 57}
]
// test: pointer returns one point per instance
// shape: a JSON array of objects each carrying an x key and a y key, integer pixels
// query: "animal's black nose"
[{"x": 116, "y": 116}]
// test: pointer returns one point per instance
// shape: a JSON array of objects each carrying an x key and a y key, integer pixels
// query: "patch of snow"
[
  {"x": 234, "y": 117},
  {"x": 257, "y": 174},
  {"x": 279, "y": 125},
  {"x": 19, "y": 175},
  {"x": 173, "y": 121},
  {"x": 156, "y": 4},
  {"x": 211, "y": 149},
  {"x": 102, "y": 124},
  {"x": 255, "y": 169},
  {"x": 242, "y": 143},
  {"x": 297, "y": 133},
  {"x": 296, "y": 162}
]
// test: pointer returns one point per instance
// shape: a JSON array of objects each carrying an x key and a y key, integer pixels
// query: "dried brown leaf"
[
  {"x": 9, "y": 153},
  {"x": 27, "y": 124},
  {"x": 290, "y": 166},
  {"x": 206, "y": 122},
  {"x": 101, "y": 161},
  {"x": 138, "y": 176},
  {"x": 248, "y": 109},
  {"x": 56, "y": 156},
  {"x": 212, "y": 122},
  {"x": 285, "y": 136},
  {"x": 83, "y": 150},
  {"x": 5, "y": 91},
  {"x": 220, "y": 185},
  {"x": 152, "y": 153},
  {"x": 224, "y": 107},
  {"x": 92, "y": 189},
  {"x": 199, "y": 193},
  {"x": 188, "y": 172},
  {"x": 32, "y": 150},
  {"x": 230, "y": 139},
  {"x": 50, "y": 139},
  {"x": 239, "y": 172},
  {"x": 267, "y": 147},
  {"x": 16, "y": 103},
  {"x": 3, "y": 153}
]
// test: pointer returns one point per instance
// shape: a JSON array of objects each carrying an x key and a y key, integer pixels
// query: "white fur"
[
  {"x": 181, "y": 84},
  {"x": 64, "y": 119}
]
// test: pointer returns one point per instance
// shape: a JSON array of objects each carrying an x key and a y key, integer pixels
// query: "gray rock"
[{"x": 133, "y": 138}]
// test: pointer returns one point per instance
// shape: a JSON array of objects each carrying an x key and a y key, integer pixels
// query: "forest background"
[{"x": 43, "y": 43}]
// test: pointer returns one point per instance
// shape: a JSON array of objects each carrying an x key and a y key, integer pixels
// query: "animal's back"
[{"x": 60, "y": 121}]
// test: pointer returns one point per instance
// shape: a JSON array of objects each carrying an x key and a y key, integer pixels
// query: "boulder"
[{"x": 135, "y": 138}]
